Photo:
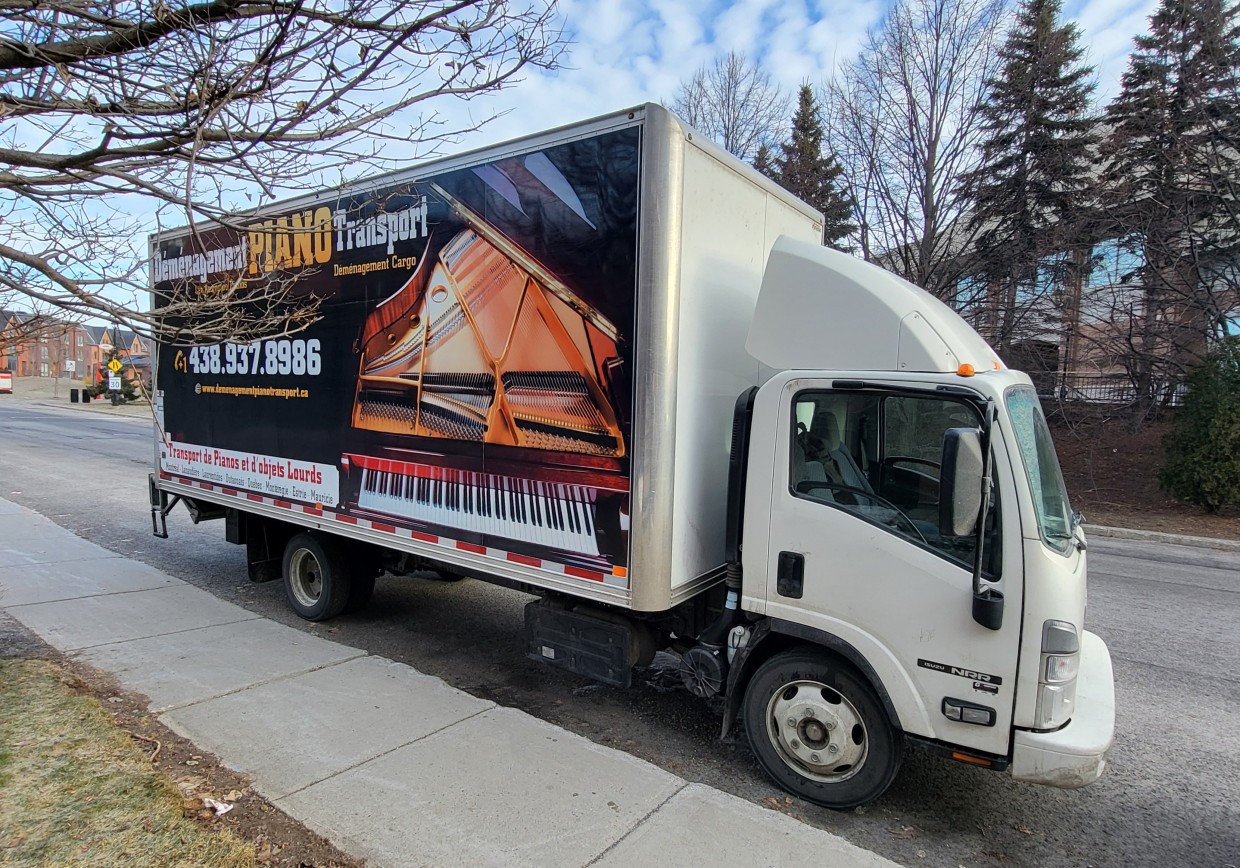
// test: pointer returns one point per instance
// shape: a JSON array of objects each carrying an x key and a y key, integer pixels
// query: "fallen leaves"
[{"x": 784, "y": 805}]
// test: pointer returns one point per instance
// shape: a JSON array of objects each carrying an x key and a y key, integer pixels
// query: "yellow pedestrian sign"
[{"x": 115, "y": 366}]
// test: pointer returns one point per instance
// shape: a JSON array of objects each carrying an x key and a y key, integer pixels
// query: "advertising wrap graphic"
[
  {"x": 276, "y": 477},
  {"x": 470, "y": 375}
]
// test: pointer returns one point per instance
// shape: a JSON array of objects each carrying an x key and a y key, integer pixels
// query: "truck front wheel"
[
  {"x": 819, "y": 731},
  {"x": 316, "y": 577}
]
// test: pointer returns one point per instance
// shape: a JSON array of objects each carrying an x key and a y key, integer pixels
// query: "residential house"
[{"x": 45, "y": 347}]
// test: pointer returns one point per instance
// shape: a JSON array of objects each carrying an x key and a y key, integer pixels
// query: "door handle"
[{"x": 790, "y": 575}]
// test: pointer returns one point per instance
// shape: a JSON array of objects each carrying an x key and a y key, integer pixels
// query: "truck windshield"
[{"x": 1050, "y": 497}]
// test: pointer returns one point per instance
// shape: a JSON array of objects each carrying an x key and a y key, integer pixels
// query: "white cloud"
[
  {"x": 628, "y": 52},
  {"x": 1107, "y": 31}
]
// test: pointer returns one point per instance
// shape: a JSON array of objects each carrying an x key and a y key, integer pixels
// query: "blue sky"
[{"x": 627, "y": 52}]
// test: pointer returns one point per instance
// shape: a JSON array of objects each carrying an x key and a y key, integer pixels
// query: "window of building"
[{"x": 1116, "y": 261}]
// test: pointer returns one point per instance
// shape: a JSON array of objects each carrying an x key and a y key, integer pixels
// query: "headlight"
[{"x": 1061, "y": 660}]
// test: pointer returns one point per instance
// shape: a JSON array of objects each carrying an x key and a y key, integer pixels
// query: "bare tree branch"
[
  {"x": 114, "y": 113},
  {"x": 735, "y": 103},
  {"x": 902, "y": 119}
]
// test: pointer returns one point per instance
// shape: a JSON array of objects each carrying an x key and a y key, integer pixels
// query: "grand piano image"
[{"x": 505, "y": 382}]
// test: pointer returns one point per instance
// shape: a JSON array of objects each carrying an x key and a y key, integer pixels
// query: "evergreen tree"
[
  {"x": 802, "y": 169},
  {"x": 764, "y": 162},
  {"x": 128, "y": 391},
  {"x": 1035, "y": 170},
  {"x": 1171, "y": 182},
  {"x": 1203, "y": 446}
]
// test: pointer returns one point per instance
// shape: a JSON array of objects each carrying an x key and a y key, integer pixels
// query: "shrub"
[{"x": 1203, "y": 445}]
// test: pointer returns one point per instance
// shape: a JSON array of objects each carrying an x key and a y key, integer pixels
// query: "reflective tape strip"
[{"x": 619, "y": 577}]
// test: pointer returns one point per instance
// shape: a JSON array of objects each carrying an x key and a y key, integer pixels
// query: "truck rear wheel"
[
  {"x": 819, "y": 731},
  {"x": 316, "y": 577}
]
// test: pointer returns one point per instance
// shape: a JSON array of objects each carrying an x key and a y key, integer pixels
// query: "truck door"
[{"x": 855, "y": 551}]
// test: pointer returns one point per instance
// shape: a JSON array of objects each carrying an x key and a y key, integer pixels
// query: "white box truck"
[{"x": 612, "y": 366}]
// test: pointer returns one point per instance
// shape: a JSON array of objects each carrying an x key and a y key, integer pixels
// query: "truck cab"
[{"x": 911, "y": 567}]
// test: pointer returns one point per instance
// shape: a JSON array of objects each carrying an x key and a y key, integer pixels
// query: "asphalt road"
[{"x": 1168, "y": 613}]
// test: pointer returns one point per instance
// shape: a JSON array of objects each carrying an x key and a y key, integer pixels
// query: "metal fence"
[{"x": 1115, "y": 390}]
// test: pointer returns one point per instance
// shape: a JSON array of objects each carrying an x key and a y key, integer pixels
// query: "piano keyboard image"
[{"x": 556, "y": 515}]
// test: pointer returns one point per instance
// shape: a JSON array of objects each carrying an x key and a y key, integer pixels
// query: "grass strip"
[{"x": 76, "y": 791}]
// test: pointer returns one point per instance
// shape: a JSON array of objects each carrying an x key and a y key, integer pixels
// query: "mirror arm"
[{"x": 987, "y": 601}]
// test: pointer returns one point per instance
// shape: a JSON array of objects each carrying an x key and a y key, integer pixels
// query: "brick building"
[{"x": 47, "y": 347}]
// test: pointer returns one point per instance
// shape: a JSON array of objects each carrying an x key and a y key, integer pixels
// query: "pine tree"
[
  {"x": 1035, "y": 171},
  {"x": 764, "y": 162},
  {"x": 128, "y": 391},
  {"x": 1171, "y": 183},
  {"x": 802, "y": 169}
]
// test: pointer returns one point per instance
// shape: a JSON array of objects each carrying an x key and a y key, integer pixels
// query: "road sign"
[
  {"x": 70, "y": 366},
  {"x": 115, "y": 366},
  {"x": 114, "y": 383}
]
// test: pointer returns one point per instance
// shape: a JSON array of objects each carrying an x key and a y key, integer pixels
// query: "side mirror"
[{"x": 960, "y": 482}]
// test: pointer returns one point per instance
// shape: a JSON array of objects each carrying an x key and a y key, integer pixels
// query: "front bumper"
[{"x": 1076, "y": 754}]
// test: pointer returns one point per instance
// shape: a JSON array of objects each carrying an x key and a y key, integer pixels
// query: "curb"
[
  {"x": 86, "y": 408},
  {"x": 1201, "y": 542}
]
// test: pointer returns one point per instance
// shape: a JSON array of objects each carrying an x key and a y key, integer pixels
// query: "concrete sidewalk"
[{"x": 393, "y": 766}]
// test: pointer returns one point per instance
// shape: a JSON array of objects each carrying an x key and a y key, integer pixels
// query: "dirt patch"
[{"x": 1112, "y": 477}]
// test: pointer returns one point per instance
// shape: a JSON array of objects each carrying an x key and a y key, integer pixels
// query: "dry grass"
[{"x": 77, "y": 791}]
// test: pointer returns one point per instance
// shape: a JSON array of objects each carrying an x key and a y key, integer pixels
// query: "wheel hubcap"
[
  {"x": 817, "y": 731},
  {"x": 307, "y": 577}
]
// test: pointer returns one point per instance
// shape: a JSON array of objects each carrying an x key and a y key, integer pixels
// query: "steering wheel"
[{"x": 807, "y": 487}]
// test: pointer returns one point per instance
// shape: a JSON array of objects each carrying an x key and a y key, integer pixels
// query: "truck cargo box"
[{"x": 525, "y": 365}]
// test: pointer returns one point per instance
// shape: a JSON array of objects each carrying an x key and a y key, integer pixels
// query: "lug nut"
[
  {"x": 792, "y": 721},
  {"x": 832, "y": 748},
  {"x": 795, "y": 744},
  {"x": 813, "y": 757}
]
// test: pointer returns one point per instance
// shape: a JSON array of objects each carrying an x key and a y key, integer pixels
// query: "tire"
[
  {"x": 316, "y": 576},
  {"x": 819, "y": 731}
]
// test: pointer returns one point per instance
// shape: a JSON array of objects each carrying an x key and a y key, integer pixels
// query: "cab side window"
[{"x": 878, "y": 457}]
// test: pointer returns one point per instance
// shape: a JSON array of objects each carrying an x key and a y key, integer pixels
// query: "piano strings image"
[{"x": 484, "y": 351}]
